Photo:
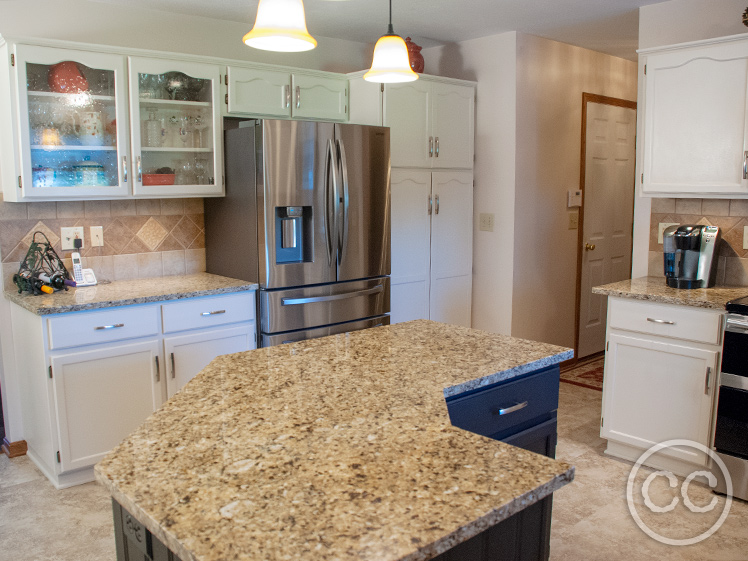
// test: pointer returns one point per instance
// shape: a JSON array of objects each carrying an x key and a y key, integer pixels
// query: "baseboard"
[
  {"x": 574, "y": 362},
  {"x": 14, "y": 449}
]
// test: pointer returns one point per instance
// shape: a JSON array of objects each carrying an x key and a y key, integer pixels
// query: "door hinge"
[
  {"x": 642, "y": 179},
  {"x": 602, "y": 421},
  {"x": 58, "y": 457},
  {"x": 645, "y": 69},
  {"x": 12, "y": 60},
  {"x": 50, "y": 372},
  {"x": 607, "y": 345},
  {"x": 227, "y": 99},
  {"x": 226, "y": 79},
  {"x": 20, "y": 183},
  {"x": 381, "y": 87},
  {"x": 345, "y": 109}
]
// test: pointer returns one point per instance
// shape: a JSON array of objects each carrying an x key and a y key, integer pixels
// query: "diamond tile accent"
[
  {"x": 44, "y": 229},
  {"x": 152, "y": 234},
  {"x": 185, "y": 232}
]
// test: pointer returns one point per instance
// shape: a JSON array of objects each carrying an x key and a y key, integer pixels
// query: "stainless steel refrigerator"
[{"x": 307, "y": 216}]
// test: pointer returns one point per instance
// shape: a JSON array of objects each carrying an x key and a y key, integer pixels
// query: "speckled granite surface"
[
  {"x": 654, "y": 289},
  {"x": 330, "y": 449},
  {"x": 123, "y": 293}
]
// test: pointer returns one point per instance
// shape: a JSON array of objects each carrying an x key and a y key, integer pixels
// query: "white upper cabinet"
[
  {"x": 283, "y": 94},
  {"x": 695, "y": 121},
  {"x": 453, "y": 123}
]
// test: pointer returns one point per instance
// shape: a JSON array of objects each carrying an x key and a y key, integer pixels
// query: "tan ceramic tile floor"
[{"x": 591, "y": 520}]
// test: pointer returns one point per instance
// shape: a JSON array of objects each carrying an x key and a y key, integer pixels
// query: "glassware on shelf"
[
  {"x": 150, "y": 86},
  {"x": 185, "y": 172},
  {"x": 200, "y": 124},
  {"x": 152, "y": 133},
  {"x": 176, "y": 84},
  {"x": 185, "y": 130},
  {"x": 201, "y": 168}
]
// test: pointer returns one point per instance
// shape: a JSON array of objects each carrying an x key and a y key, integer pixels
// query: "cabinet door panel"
[
  {"x": 259, "y": 92},
  {"x": 315, "y": 97},
  {"x": 451, "y": 299},
  {"x": 655, "y": 392},
  {"x": 695, "y": 121},
  {"x": 453, "y": 120},
  {"x": 411, "y": 241},
  {"x": 101, "y": 397},
  {"x": 407, "y": 109},
  {"x": 187, "y": 355}
]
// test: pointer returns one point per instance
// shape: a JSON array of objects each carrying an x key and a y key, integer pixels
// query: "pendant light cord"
[{"x": 390, "y": 30}]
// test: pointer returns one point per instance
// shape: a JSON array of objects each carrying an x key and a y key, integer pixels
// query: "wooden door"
[
  {"x": 453, "y": 119},
  {"x": 607, "y": 228},
  {"x": 407, "y": 111},
  {"x": 452, "y": 247}
]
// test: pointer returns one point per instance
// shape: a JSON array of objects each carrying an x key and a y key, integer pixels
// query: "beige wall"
[{"x": 108, "y": 24}]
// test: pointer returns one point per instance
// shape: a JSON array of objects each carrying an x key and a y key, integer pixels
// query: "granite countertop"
[
  {"x": 124, "y": 293},
  {"x": 333, "y": 448},
  {"x": 654, "y": 289}
]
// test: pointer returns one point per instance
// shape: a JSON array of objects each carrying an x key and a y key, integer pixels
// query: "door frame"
[{"x": 604, "y": 100}]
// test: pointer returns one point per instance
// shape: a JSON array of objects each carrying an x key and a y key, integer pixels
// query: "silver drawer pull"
[
  {"x": 114, "y": 326},
  {"x": 214, "y": 313},
  {"x": 511, "y": 409},
  {"x": 663, "y": 321},
  {"x": 313, "y": 299}
]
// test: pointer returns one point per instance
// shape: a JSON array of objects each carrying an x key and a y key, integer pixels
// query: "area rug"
[{"x": 587, "y": 375}]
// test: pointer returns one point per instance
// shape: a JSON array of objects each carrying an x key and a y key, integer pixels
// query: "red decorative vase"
[{"x": 414, "y": 55}]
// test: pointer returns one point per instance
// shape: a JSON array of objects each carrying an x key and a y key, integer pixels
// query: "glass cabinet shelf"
[
  {"x": 175, "y": 149},
  {"x": 173, "y": 102},
  {"x": 71, "y": 96},
  {"x": 71, "y": 148}
]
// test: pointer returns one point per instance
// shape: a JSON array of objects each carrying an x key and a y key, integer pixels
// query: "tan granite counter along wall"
[
  {"x": 330, "y": 449},
  {"x": 654, "y": 289}
]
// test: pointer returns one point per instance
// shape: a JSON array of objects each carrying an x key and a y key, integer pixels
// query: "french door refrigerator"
[{"x": 307, "y": 216}]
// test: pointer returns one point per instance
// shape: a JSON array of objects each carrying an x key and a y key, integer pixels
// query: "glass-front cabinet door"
[
  {"x": 73, "y": 123},
  {"x": 176, "y": 142}
]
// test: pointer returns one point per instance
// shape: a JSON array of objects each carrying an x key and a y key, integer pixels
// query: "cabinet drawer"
[
  {"x": 489, "y": 412},
  {"x": 666, "y": 320},
  {"x": 210, "y": 311},
  {"x": 112, "y": 324}
]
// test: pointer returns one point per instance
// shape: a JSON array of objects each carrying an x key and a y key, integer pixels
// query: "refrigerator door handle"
[
  {"x": 343, "y": 237},
  {"x": 312, "y": 299},
  {"x": 331, "y": 191}
]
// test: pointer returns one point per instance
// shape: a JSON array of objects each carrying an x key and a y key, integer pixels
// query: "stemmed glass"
[
  {"x": 200, "y": 124},
  {"x": 201, "y": 168},
  {"x": 185, "y": 124}
]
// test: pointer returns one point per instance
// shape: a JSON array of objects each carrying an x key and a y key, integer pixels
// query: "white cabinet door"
[
  {"x": 72, "y": 110},
  {"x": 187, "y": 355},
  {"x": 175, "y": 123},
  {"x": 259, "y": 92},
  {"x": 407, "y": 111},
  {"x": 101, "y": 396},
  {"x": 453, "y": 119},
  {"x": 654, "y": 392},
  {"x": 411, "y": 245},
  {"x": 694, "y": 137},
  {"x": 452, "y": 247},
  {"x": 315, "y": 97},
  {"x": 365, "y": 100}
]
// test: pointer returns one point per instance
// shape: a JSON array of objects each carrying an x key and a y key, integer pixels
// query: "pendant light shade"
[
  {"x": 390, "y": 62},
  {"x": 280, "y": 26}
]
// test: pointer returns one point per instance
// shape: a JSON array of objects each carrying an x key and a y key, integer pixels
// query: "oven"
[{"x": 731, "y": 427}]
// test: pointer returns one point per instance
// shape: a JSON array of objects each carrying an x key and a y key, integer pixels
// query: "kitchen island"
[{"x": 333, "y": 448}]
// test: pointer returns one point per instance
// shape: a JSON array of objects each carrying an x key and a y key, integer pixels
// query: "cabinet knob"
[{"x": 589, "y": 247}]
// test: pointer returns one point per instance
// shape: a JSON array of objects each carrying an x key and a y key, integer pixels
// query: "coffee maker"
[{"x": 690, "y": 255}]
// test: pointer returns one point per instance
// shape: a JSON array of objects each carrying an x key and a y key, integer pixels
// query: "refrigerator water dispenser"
[{"x": 292, "y": 230}]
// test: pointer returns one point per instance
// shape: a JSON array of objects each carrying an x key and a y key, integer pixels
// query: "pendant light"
[
  {"x": 390, "y": 62},
  {"x": 280, "y": 26}
]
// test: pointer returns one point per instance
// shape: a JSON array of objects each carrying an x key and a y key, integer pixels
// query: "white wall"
[
  {"x": 491, "y": 61},
  {"x": 108, "y": 24}
]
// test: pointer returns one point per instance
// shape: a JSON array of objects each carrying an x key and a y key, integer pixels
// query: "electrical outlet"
[
  {"x": 97, "y": 236},
  {"x": 573, "y": 220},
  {"x": 662, "y": 227},
  {"x": 486, "y": 222},
  {"x": 68, "y": 237},
  {"x": 745, "y": 237}
]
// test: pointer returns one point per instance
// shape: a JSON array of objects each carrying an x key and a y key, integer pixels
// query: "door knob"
[{"x": 589, "y": 247}]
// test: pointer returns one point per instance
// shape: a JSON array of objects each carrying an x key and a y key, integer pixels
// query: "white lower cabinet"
[
  {"x": 84, "y": 393},
  {"x": 431, "y": 246},
  {"x": 658, "y": 387}
]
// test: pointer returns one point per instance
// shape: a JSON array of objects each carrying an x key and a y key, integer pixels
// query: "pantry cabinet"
[
  {"x": 694, "y": 141},
  {"x": 282, "y": 94},
  {"x": 431, "y": 246}
]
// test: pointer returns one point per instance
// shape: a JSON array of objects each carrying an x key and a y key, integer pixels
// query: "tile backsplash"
[
  {"x": 142, "y": 238},
  {"x": 731, "y": 215}
]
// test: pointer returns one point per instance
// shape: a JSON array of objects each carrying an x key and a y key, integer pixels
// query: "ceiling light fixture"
[
  {"x": 280, "y": 26},
  {"x": 390, "y": 62}
]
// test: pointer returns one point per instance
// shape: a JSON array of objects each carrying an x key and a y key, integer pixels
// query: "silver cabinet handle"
[
  {"x": 663, "y": 321},
  {"x": 436, "y": 142},
  {"x": 113, "y": 326},
  {"x": 436, "y": 204},
  {"x": 139, "y": 166},
  {"x": 745, "y": 164},
  {"x": 214, "y": 313},
  {"x": 288, "y": 96},
  {"x": 298, "y": 97},
  {"x": 431, "y": 205},
  {"x": 124, "y": 169},
  {"x": 313, "y": 299},
  {"x": 707, "y": 384},
  {"x": 511, "y": 409},
  {"x": 158, "y": 370},
  {"x": 173, "y": 370},
  {"x": 431, "y": 147}
]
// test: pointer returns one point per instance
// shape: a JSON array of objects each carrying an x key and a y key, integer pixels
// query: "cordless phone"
[{"x": 82, "y": 277}]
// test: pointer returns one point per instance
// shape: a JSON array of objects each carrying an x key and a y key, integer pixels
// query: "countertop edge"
[
  {"x": 508, "y": 374},
  {"x": 659, "y": 298}
]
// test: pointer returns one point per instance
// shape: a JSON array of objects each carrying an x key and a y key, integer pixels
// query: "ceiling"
[{"x": 609, "y": 26}]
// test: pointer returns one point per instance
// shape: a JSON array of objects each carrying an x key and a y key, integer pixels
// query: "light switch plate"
[
  {"x": 97, "y": 236},
  {"x": 574, "y": 220},
  {"x": 745, "y": 237},
  {"x": 486, "y": 222},
  {"x": 663, "y": 226},
  {"x": 574, "y": 198},
  {"x": 67, "y": 235}
]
